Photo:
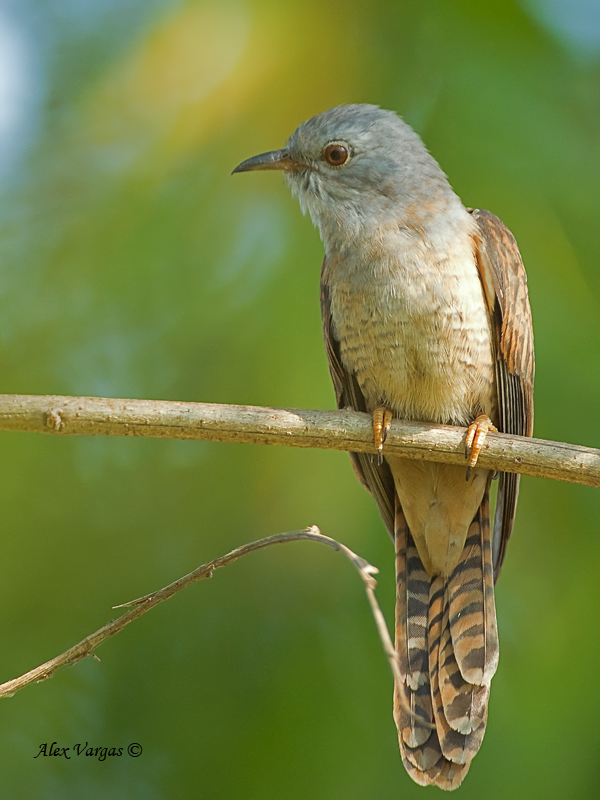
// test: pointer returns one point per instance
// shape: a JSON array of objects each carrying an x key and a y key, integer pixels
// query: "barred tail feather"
[
  {"x": 412, "y": 605},
  {"x": 412, "y": 701},
  {"x": 447, "y": 643},
  {"x": 472, "y": 608}
]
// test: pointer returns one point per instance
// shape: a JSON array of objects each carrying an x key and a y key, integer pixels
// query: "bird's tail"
[{"x": 447, "y": 643}]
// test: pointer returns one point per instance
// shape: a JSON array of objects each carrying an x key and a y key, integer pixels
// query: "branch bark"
[
  {"x": 335, "y": 430},
  {"x": 144, "y": 604}
]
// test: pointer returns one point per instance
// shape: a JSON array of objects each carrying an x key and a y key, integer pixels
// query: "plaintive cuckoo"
[{"x": 426, "y": 317}]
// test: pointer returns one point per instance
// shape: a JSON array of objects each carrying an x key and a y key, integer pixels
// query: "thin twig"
[
  {"x": 143, "y": 604},
  {"x": 336, "y": 430}
]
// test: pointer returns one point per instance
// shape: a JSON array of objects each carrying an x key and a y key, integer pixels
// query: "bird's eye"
[{"x": 336, "y": 154}]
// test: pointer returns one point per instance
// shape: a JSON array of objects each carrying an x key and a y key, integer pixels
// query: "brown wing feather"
[
  {"x": 505, "y": 284},
  {"x": 376, "y": 478}
]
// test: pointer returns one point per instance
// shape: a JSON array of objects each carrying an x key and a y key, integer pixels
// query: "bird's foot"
[
  {"x": 476, "y": 433},
  {"x": 382, "y": 418}
]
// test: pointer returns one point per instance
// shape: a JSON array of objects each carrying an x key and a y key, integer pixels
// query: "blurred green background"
[{"x": 133, "y": 265}]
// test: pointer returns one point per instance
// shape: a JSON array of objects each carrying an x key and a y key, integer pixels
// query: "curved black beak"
[{"x": 275, "y": 159}]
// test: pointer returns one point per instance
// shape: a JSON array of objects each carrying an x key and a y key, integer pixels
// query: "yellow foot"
[
  {"x": 476, "y": 433},
  {"x": 382, "y": 418}
]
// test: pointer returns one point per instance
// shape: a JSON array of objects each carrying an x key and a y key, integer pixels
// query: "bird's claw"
[
  {"x": 382, "y": 418},
  {"x": 476, "y": 434}
]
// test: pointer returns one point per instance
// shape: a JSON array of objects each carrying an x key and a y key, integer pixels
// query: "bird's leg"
[
  {"x": 382, "y": 418},
  {"x": 476, "y": 433}
]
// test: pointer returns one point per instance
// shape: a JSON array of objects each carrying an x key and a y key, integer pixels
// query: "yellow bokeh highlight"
[{"x": 201, "y": 70}]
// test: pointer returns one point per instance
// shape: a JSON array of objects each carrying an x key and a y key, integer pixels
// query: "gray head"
[{"x": 356, "y": 169}]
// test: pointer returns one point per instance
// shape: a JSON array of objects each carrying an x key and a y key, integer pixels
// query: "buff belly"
[{"x": 423, "y": 349}]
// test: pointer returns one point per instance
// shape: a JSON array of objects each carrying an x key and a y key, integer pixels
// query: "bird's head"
[{"x": 355, "y": 168}]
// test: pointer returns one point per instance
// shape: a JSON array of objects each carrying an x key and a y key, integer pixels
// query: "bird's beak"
[{"x": 276, "y": 159}]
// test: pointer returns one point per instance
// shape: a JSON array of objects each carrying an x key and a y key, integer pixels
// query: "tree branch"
[
  {"x": 336, "y": 430},
  {"x": 144, "y": 604}
]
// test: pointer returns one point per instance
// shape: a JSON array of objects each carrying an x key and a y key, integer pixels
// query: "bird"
[{"x": 426, "y": 317}]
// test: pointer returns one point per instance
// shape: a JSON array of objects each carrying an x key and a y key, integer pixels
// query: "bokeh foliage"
[{"x": 132, "y": 265}]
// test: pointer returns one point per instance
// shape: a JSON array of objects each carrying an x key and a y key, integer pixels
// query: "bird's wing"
[
  {"x": 505, "y": 285},
  {"x": 376, "y": 478}
]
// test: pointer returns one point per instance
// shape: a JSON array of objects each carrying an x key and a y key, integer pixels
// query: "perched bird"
[{"x": 426, "y": 317}]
